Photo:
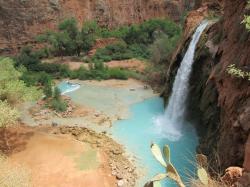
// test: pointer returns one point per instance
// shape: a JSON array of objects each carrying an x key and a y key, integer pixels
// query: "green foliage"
[
  {"x": 146, "y": 32},
  {"x": 236, "y": 72},
  {"x": 36, "y": 78},
  {"x": 162, "y": 48},
  {"x": 12, "y": 88},
  {"x": 57, "y": 93},
  {"x": 58, "y": 105},
  {"x": 116, "y": 73},
  {"x": 70, "y": 40},
  {"x": 28, "y": 59},
  {"x": 246, "y": 21},
  {"x": 69, "y": 26},
  {"x": 48, "y": 90},
  {"x": 137, "y": 40},
  {"x": 89, "y": 34},
  {"x": 118, "y": 51}
]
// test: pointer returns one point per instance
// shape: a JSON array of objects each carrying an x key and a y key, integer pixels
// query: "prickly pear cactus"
[{"x": 171, "y": 172}]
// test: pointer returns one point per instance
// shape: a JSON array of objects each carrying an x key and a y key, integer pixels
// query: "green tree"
[
  {"x": 11, "y": 88},
  {"x": 88, "y": 35},
  {"x": 48, "y": 90},
  {"x": 162, "y": 48},
  {"x": 28, "y": 59},
  {"x": 57, "y": 93},
  {"x": 70, "y": 27}
]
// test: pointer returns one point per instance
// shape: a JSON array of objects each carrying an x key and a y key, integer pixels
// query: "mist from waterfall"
[{"x": 170, "y": 124}]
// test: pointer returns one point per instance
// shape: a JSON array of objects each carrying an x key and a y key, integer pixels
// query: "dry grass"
[
  {"x": 212, "y": 183},
  {"x": 13, "y": 176}
]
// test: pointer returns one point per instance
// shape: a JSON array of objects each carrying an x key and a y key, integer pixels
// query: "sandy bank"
[{"x": 70, "y": 156}]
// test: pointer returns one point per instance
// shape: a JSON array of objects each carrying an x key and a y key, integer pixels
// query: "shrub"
[
  {"x": 57, "y": 93},
  {"x": 8, "y": 114},
  {"x": 11, "y": 88},
  {"x": 116, "y": 73},
  {"x": 28, "y": 59},
  {"x": 162, "y": 48},
  {"x": 36, "y": 78},
  {"x": 236, "y": 72},
  {"x": 82, "y": 73},
  {"x": 58, "y": 105}
]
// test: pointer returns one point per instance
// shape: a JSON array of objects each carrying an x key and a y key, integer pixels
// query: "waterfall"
[{"x": 170, "y": 124}]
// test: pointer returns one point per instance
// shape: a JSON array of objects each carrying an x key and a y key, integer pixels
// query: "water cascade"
[{"x": 170, "y": 124}]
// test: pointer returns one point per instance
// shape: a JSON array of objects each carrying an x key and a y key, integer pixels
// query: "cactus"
[
  {"x": 203, "y": 176},
  {"x": 171, "y": 172},
  {"x": 201, "y": 172}
]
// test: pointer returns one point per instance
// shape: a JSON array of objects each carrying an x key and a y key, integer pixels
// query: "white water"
[{"x": 170, "y": 124}]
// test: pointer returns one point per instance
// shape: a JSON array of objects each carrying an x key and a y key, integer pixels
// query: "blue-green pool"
[
  {"x": 66, "y": 87},
  {"x": 139, "y": 131}
]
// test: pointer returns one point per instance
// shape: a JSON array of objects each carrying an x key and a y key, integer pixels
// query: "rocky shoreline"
[{"x": 121, "y": 167}]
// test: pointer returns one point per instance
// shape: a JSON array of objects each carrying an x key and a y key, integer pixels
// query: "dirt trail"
[{"x": 61, "y": 161}]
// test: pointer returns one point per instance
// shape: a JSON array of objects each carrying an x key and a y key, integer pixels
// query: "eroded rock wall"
[{"x": 21, "y": 20}]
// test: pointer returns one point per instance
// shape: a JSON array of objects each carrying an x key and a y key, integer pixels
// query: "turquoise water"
[
  {"x": 139, "y": 131},
  {"x": 66, "y": 87}
]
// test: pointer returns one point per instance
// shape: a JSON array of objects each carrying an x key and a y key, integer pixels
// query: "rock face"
[
  {"x": 219, "y": 102},
  {"x": 21, "y": 20}
]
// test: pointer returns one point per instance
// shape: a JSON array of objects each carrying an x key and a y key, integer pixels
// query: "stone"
[
  {"x": 54, "y": 124},
  {"x": 120, "y": 183},
  {"x": 119, "y": 176},
  {"x": 54, "y": 4},
  {"x": 232, "y": 175},
  {"x": 114, "y": 173}
]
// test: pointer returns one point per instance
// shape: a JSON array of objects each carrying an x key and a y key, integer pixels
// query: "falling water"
[{"x": 171, "y": 122}]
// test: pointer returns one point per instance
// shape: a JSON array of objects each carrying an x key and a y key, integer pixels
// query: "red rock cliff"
[{"x": 21, "y": 20}]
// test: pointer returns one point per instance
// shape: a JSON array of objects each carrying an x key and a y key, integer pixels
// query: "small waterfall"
[{"x": 171, "y": 122}]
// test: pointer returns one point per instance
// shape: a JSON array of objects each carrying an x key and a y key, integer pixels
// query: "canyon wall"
[
  {"x": 219, "y": 102},
  {"x": 21, "y": 20}
]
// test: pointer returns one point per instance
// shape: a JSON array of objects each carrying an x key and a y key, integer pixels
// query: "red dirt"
[{"x": 52, "y": 161}]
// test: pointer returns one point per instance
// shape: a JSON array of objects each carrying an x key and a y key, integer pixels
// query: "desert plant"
[
  {"x": 58, "y": 105},
  {"x": 8, "y": 117},
  {"x": 246, "y": 19},
  {"x": 171, "y": 172},
  {"x": 236, "y": 72}
]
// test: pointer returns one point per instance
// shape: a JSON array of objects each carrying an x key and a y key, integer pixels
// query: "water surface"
[{"x": 139, "y": 131}]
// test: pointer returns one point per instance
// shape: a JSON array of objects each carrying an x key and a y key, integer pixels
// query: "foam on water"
[{"x": 138, "y": 132}]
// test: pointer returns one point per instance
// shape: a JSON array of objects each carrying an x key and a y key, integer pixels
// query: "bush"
[
  {"x": 12, "y": 88},
  {"x": 48, "y": 90},
  {"x": 116, "y": 73},
  {"x": 28, "y": 59},
  {"x": 162, "y": 48},
  {"x": 58, "y": 105},
  {"x": 8, "y": 114},
  {"x": 36, "y": 78}
]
